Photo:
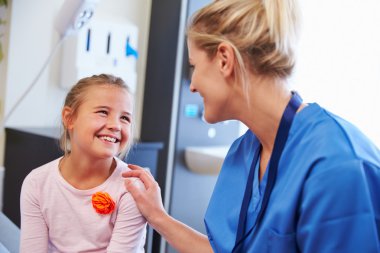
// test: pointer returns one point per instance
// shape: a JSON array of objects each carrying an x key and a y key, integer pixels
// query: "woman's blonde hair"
[
  {"x": 75, "y": 98},
  {"x": 262, "y": 33}
]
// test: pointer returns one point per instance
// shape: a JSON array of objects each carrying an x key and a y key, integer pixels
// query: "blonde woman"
[{"x": 301, "y": 179}]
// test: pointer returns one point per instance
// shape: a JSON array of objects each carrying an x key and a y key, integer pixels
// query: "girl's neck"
[{"x": 85, "y": 174}]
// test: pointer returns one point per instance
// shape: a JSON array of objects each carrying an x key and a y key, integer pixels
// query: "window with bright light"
[{"x": 339, "y": 60}]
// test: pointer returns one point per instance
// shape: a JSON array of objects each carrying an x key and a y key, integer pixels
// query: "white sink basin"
[{"x": 205, "y": 159}]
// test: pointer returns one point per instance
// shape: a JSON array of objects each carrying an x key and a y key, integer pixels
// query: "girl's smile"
[{"x": 101, "y": 128}]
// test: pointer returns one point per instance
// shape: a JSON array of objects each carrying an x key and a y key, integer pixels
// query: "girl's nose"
[{"x": 114, "y": 124}]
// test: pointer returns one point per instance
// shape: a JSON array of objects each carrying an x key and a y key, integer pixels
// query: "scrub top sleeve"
[{"x": 337, "y": 213}]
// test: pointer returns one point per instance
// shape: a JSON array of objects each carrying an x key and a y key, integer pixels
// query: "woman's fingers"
[
  {"x": 143, "y": 174},
  {"x": 135, "y": 187},
  {"x": 145, "y": 191},
  {"x": 135, "y": 167}
]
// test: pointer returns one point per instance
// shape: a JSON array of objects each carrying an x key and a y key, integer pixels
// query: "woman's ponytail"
[{"x": 283, "y": 24}]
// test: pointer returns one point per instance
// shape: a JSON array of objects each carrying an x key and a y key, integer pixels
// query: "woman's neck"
[
  {"x": 262, "y": 111},
  {"x": 266, "y": 103}
]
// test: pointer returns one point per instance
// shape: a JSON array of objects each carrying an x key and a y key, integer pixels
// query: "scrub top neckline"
[
  {"x": 258, "y": 187},
  {"x": 302, "y": 115}
]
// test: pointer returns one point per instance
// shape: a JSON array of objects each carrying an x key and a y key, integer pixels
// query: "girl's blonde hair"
[
  {"x": 75, "y": 98},
  {"x": 262, "y": 34}
]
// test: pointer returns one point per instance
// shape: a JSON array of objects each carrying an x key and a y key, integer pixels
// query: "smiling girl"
[{"x": 78, "y": 202}]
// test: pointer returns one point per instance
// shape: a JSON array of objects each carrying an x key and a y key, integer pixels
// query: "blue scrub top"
[{"x": 326, "y": 197}]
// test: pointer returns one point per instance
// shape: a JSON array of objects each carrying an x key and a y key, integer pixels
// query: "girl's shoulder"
[
  {"x": 44, "y": 171},
  {"x": 121, "y": 166}
]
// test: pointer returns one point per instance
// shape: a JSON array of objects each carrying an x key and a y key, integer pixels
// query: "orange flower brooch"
[{"x": 103, "y": 203}]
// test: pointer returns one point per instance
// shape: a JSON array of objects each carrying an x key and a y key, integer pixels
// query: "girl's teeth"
[{"x": 110, "y": 139}]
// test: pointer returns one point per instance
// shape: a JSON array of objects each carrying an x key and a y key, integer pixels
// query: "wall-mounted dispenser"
[
  {"x": 102, "y": 47},
  {"x": 74, "y": 15}
]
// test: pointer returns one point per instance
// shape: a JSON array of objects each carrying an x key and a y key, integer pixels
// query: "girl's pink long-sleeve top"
[{"x": 56, "y": 217}]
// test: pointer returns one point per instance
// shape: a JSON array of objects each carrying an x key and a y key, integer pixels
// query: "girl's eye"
[
  {"x": 126, "y": 118},
  {"x": 102, "y": 112}
]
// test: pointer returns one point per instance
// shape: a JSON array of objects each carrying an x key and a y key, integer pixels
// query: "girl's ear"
[
  {"x": 67, "y": 118},
  {"x": 226, "y": 59}
]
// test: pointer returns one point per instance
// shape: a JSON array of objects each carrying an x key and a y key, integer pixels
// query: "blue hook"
[{"x": 130, "y": 51}]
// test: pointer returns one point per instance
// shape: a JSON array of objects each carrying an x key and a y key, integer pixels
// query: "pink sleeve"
[
  {"x": 34, "y": 232},
  {"x": 129, "y": 233}
]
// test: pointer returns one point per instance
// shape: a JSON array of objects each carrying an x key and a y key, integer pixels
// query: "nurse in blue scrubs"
[{"x": 301, "y": 179}]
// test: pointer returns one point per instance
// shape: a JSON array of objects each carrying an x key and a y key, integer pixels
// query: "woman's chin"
[{"x": 210, "y": 119}]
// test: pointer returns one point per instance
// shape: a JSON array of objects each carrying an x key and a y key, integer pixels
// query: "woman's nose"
[{"x": 192, "y": 88}]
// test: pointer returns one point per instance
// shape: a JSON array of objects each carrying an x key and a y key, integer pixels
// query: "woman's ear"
[
  {"x": 67, "y": 118},
  {"x": 226, "y": 59}
]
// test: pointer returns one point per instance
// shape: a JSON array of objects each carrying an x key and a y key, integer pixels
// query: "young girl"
[{"x": 78, "y": 202}]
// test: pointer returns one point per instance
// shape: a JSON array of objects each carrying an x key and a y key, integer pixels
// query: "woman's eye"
[{"x": 191, "y": 70}]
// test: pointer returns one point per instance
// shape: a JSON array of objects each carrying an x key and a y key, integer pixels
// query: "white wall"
[
  {"x": 32, "y": 36},
  {"x": 339, "y": 60}
]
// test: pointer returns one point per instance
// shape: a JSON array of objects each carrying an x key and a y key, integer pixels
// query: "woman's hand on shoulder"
[{"x": 146, "y": 192}]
